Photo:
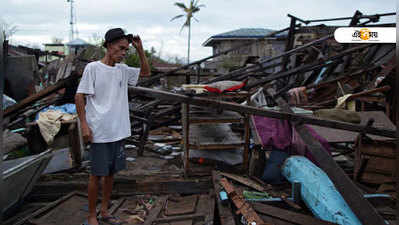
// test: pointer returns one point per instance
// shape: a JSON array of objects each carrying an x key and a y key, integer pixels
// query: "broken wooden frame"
[
  {"x": 157, "y": 94},
  {"x": 306, "y": 67},
  {"x": 259, "y": 66},
  {"x": 349, "y": 18}
]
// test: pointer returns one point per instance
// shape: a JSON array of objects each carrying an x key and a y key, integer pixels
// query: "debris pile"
[{"x": 303, "y": 136}]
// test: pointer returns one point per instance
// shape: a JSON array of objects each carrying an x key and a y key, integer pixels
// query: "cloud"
[{"x": 40, "y": 20}]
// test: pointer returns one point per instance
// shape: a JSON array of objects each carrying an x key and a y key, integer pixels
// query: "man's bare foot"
[{"x": 110, "y": 219}]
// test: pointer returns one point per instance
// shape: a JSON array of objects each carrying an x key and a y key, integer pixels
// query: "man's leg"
[
  {"x": 107, "y": 191},
  {"x": 92, "y": 194}
]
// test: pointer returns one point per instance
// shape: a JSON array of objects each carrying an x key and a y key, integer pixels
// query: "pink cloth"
[{"x": 280, "y": 134}]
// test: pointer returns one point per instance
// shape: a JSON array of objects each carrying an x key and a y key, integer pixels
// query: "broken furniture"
[
  {"x": 69, "y": 137},
  {"x": 374, "y": 161},
  {"x": 206, "y": 129},
  {"x": 141, "y": 124}
]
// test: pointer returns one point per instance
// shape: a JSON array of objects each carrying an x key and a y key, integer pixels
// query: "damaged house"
[{"x": 291, "y": 127}]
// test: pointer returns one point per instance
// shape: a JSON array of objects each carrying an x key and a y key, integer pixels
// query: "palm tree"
[{"x": 189, "y": 11}]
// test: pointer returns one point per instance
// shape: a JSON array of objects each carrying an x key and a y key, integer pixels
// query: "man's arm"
[
  {"x": 144, "y": 66},
  {"x": 80, "y": 108}
]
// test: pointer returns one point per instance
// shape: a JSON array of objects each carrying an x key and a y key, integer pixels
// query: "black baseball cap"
[{"x": 115, "y": 34}]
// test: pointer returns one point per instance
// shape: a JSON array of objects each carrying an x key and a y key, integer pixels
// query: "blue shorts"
[{"x": 107, "y": 158}]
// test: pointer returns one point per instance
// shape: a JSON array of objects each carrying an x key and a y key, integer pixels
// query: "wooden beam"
[
  {"x": 306, "y": 67},
  {"x": 201, "y": 101},
  {"x": 153, "y": 214},
  {"x": 245, "y": 181},
  {"x": 243, "y": 207},
  {"x": 43, "y": 93},
  {"x": 288, "y": 215},
  {"x": 225, "y": 212},
  {"x": 396, "y": 107},
  {"x": 3, "y": 60},
  {"x": 365, "y": 212},
  {"x": 179, "y": 218},
  {"x": 259, "y": 65}
]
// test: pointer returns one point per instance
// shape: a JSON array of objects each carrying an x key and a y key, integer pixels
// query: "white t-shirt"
[{"x": 107, "y": 109}]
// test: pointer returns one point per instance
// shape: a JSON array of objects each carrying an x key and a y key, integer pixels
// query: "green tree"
[
  {"x": 133, "y": 59},
  {"x": 189, "y": 14}
]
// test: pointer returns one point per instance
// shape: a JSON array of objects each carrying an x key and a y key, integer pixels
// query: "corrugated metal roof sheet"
[
  {"x": 245, "y": 33},
  {"x": 76, "y": 42}
]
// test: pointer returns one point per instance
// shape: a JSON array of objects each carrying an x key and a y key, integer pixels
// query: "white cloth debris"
[{"x": 49, "y": 123}]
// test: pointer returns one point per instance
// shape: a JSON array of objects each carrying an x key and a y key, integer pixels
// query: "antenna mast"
[{"x": 72, "y": 22}]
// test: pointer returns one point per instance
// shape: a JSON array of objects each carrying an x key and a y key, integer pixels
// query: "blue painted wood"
[{"x": 318, "y": 192}]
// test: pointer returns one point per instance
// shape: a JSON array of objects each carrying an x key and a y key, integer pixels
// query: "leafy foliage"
[{"x": 133, "y": 59}]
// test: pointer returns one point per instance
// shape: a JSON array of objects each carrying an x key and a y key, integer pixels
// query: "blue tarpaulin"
[{"x": 66, "y": 108}]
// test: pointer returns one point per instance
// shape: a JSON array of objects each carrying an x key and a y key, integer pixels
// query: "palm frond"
[
  {"x": 181, "y": 5},
  {"x": 195, "y": 10},
  {"x": 176, "y": 17},
  {"x": 195, "y": 19}
]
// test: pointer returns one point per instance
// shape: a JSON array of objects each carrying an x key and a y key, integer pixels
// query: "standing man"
[{"x": 102, "y": 105}]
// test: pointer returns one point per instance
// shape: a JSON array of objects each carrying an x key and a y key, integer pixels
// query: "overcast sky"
[{"x": 38, "y": 21}]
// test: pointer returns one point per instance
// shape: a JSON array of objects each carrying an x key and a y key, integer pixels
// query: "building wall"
[{"x": 237, "y": 58}]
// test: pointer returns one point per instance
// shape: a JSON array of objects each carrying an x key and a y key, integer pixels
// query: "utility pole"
[{"x": 72, "y": 22}]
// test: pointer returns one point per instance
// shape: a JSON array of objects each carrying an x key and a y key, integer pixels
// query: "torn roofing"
[{"x": 242, "y": 33}]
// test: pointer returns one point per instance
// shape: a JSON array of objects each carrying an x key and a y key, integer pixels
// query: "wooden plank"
[
  {"x": 243, "y": 207},
  {"x": 181, "y": 205},
  {"x": 179, "y": 218},
  {"x": 305, "y": 68},
  {"x": 44, "y": 209},
  {"x": 183, "y": 222},
  {"x": 128, "y": 186},
  {"x": 68, "y": 70},
  {"x": 70, "y": 211},
  {"x": 74, "y": 143},
  {"x": 287, "y": 215},
  {"x": 225, "y": 212},
  {"x": 61, "y": 71},
  {"x": 352, "y": 195},
  {"x": 186, "y": 137},
  {"x": 210, "y": 216},
  {"x": 246, "y": 181},
  {"x": 154, "y": 212},
  {"x": 260, "y": 112},
  {"x": 43, "y": 93},
  {"x": 246, "y": 142}
]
